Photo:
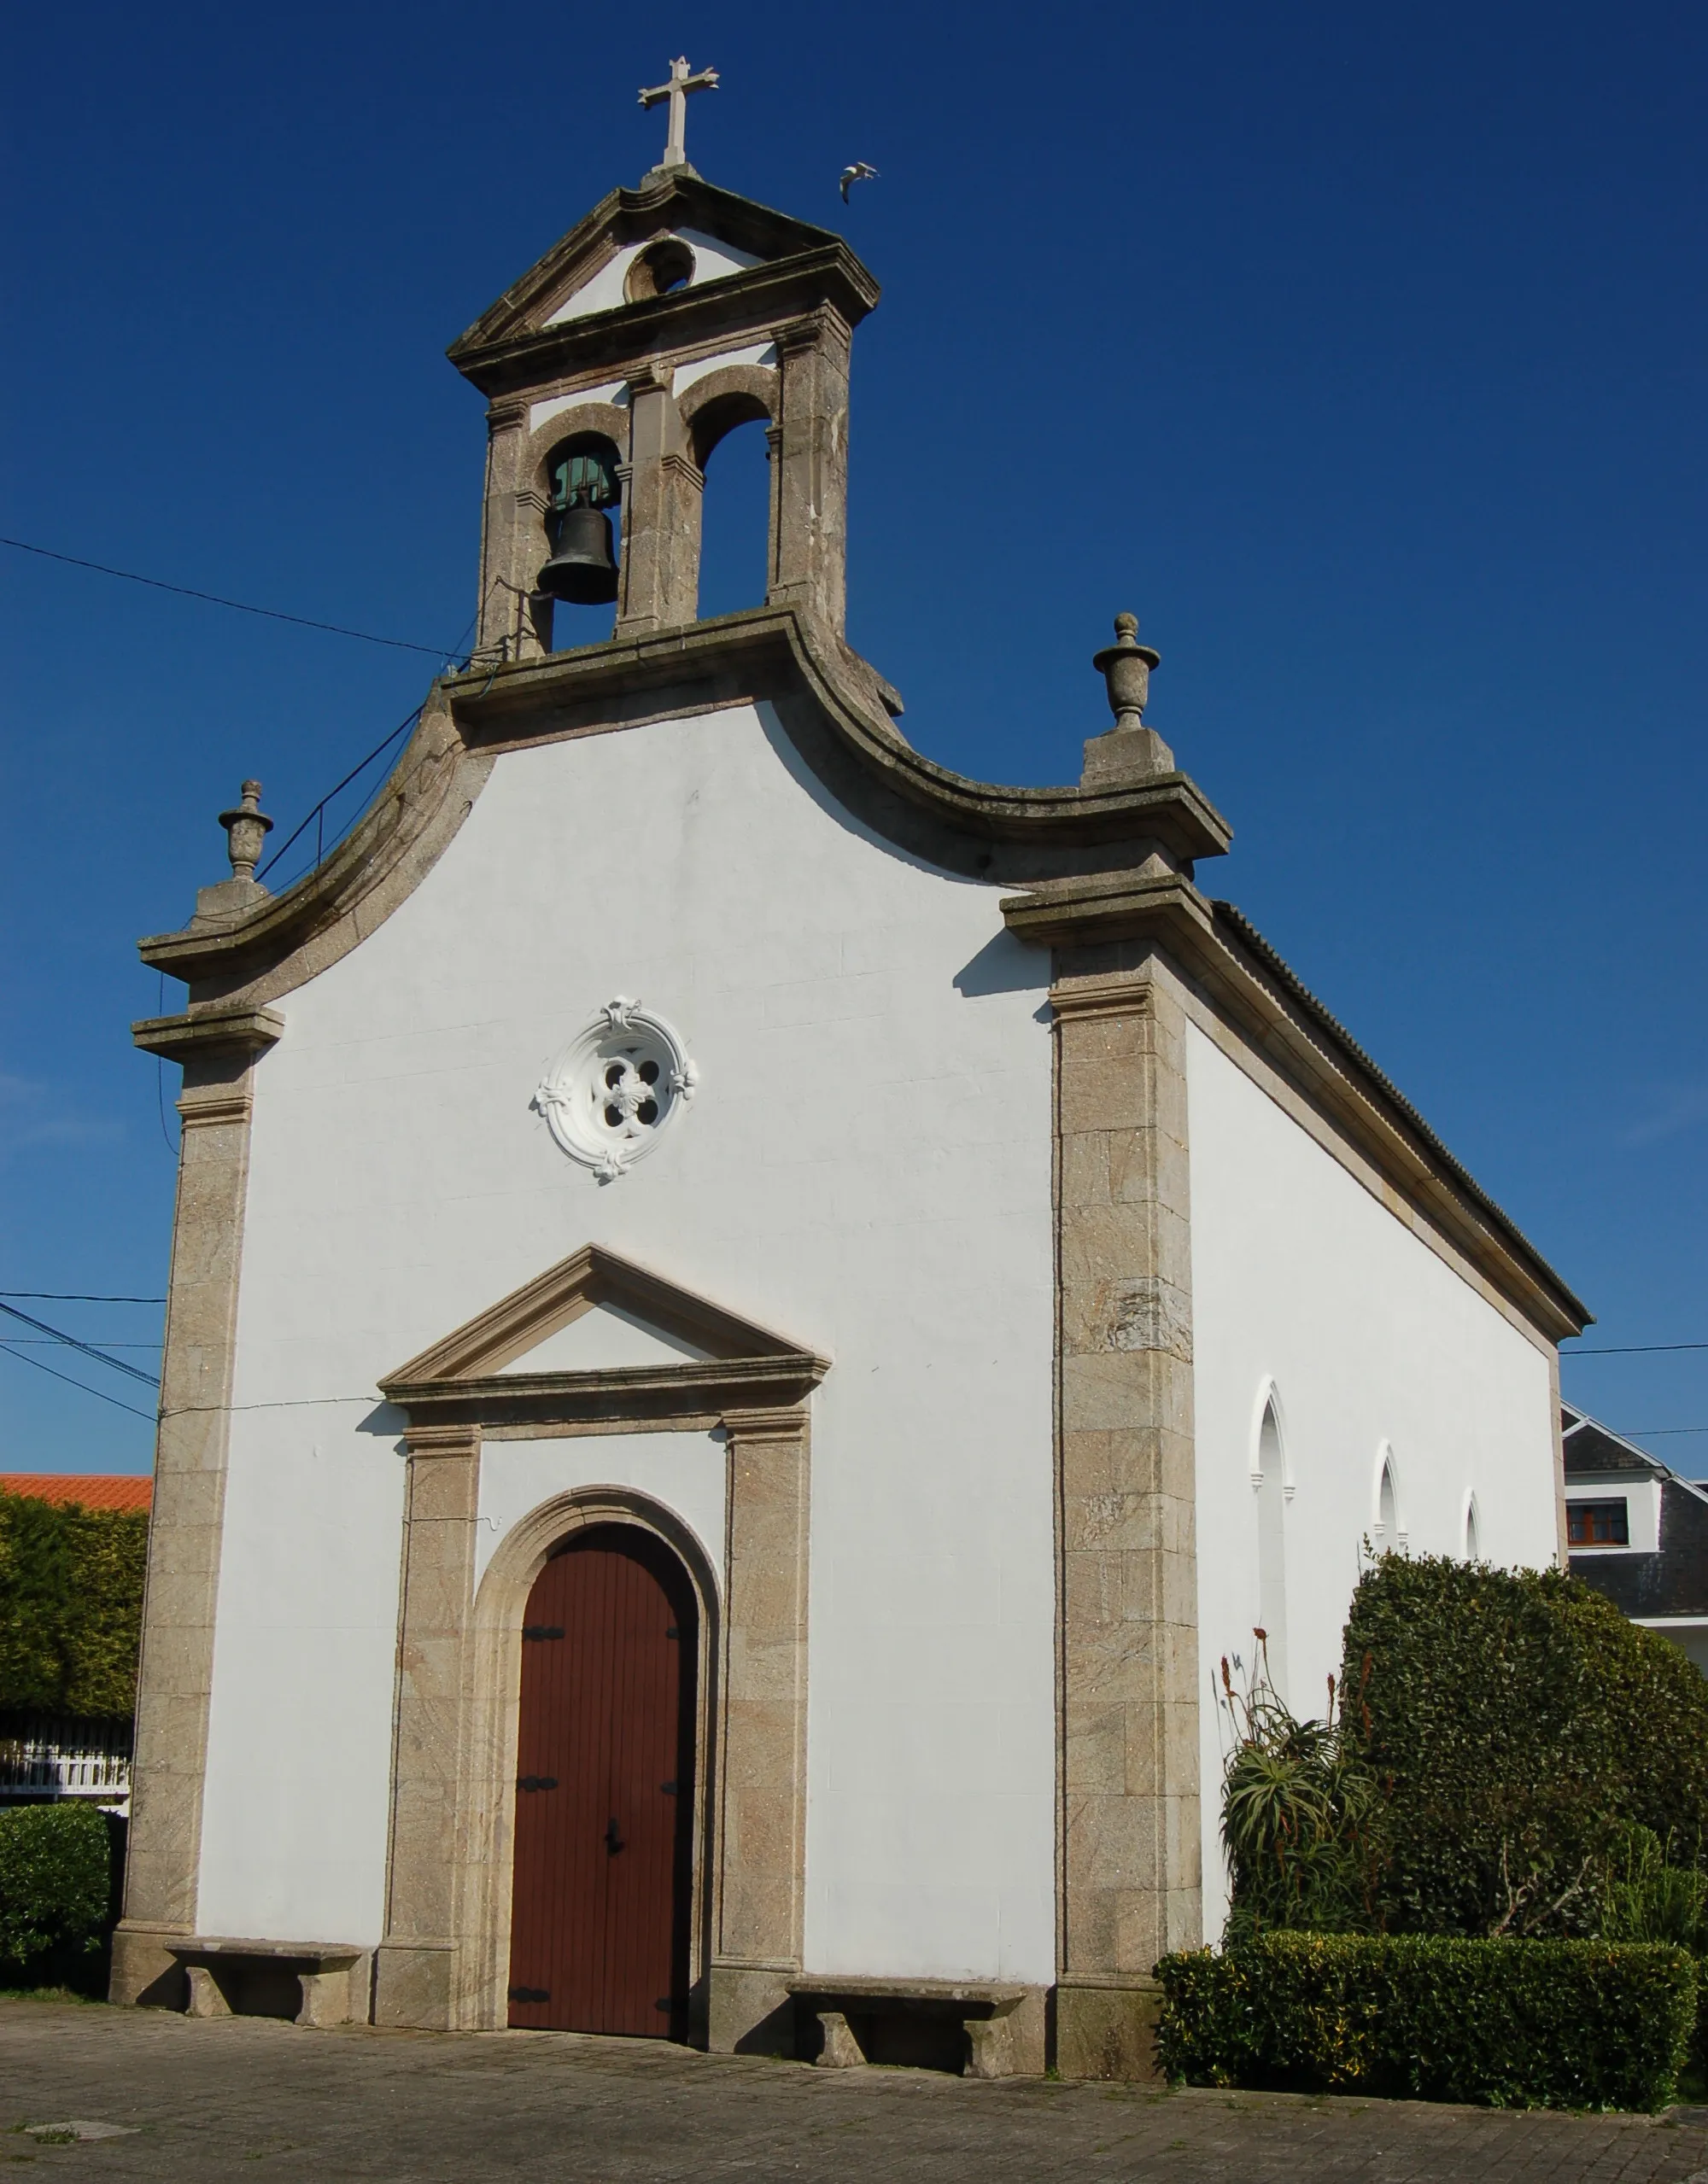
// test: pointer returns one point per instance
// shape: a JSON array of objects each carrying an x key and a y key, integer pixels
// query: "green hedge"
[
  {"x": 1513, "y": 1722},
  {"x": 71, "y": 1606},
  {"x": 1559, "y": 2024},
  {"x": 57, "y": 1867}
]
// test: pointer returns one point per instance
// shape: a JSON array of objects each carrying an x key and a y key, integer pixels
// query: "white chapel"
[{"x": 750, "y": 1317}]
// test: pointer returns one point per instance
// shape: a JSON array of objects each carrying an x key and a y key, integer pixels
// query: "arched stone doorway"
[
  {"x": 602, "y": 1900},
  {"x": 445, "y": 1960}
]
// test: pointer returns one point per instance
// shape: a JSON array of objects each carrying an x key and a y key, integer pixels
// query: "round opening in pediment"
[
  {"x": 611, "y": 1093},
  {"x": 661, "y": 268}
]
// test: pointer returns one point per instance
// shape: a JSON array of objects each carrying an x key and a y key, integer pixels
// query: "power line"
[
  {"x": 1635, "y": 1350},
  {"x": 77, "y": 1297},
  {"x": 1659, "y": 1433},
  {"x": 100, "y": 1393},
  {"x": 87, "y": 1348},
  {"x": 47, "y": 1341},
  {"x": 213, "y": 600}
]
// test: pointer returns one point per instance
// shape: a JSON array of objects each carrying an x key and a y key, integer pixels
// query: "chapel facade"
[{"x": 751, "y": 1318}]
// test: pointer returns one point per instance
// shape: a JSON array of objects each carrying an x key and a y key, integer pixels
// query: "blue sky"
[{"x": 1359, "y": 351}]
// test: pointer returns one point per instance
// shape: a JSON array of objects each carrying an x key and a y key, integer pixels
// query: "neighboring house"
[
  {"x": 48, "y": 1756},
  {"x": 1637, "y": 1531},
  {"x": 94, "y": 1490}
]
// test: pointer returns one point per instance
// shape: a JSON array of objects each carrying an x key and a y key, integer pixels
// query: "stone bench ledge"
[
  {"x": 332, "y": 1977},
  {"x": 1001, "y": 2021},
  {"x": 329, "y": 1956},
  {"x": 943, "y": 1993}
]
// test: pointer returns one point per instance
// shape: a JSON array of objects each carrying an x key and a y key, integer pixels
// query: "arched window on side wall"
[
  {"x": 1473, "y": 1541},
  {"x": 1270, "y": 1479},
  {"x": 1387, "y": 1522}
]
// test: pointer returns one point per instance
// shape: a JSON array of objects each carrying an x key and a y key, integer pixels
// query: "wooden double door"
[{"x": 601, "y": 1896}]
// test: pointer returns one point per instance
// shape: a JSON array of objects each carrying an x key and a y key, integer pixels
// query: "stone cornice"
[
  {"x": 753, "y": 655},
  {"x": 1108, "y": 906},
  {"x": 832, "y": 702},
  {"x": 209, "y": 1031},
  {"x": 621, "y": 340},
  {"x": 1252, "y": 989}
]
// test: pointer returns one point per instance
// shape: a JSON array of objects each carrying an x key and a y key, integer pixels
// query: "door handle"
[{"x": 613, "y": 1839}]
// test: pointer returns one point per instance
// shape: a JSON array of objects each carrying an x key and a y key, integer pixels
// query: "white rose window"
[{"x": 615, "y": 1088}]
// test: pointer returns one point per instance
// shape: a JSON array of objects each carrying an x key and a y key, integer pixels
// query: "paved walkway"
[{"x": 246, "y": 2097}]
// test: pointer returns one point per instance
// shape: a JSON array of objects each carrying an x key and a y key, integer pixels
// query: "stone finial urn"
[
  {"x": 1126, "y": 667},
  {"x": 1129, "y": 751},
  {"x": 248, "y": 827}
]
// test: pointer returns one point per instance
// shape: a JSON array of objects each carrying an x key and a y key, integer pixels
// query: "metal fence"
[{"x": 44, "y": 1757}]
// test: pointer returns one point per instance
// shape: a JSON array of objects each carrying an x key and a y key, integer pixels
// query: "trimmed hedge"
[
  {"x": 56, "y": 1888},
  {"x": 71, "y": 1606},
  {"x": 1554, "y": 2024},
  {"x": 1514, "y": 1722}
]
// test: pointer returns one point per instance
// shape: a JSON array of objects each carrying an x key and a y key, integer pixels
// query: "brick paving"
[{"x": 248, "y": 2097}]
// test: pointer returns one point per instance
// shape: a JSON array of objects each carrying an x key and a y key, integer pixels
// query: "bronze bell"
[{"x": 582, "y": 570}]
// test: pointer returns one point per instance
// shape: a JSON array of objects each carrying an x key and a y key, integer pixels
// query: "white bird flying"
[{"x": 858, "y": 172}]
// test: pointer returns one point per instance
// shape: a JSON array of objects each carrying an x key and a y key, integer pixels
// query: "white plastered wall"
[
  {"x": 865, "y": 1169},
  {"x": 1304, "y": 1283},
  {"x": 683, "y": 1473}
]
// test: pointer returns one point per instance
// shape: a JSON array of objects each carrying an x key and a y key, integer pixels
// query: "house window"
[{"x": 1596, "y": 1524}]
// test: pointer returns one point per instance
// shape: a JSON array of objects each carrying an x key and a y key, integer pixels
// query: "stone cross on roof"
[{"x": 676, "y": 91}]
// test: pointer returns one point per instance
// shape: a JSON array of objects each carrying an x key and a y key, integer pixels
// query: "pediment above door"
[{"x": 598, "y": 1337}]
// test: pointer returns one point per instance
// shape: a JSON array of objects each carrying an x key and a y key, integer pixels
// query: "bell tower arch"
[{"x": 674, "y": 312}]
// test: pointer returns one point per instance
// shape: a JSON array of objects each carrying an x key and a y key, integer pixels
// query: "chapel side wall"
[
  {"x": 865, "y": 1168},
  {"x": 1303, "y": 1279}
]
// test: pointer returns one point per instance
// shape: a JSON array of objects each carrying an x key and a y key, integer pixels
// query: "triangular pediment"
[
  {"x": 596, "y": 1316},
  {"x": 606, "y": 1338},
  {"x": 584, "y": 273}
]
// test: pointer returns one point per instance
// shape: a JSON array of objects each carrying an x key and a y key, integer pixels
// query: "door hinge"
[
  {"x": 536, "y": 1781},
  {"x": 543, "y": 1630},
  {"x": 667, "y": 1788},
  {"x": 531, "y": 1994}
]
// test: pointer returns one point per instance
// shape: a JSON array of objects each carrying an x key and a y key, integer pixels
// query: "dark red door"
[{"x": 604, "y": 1794}]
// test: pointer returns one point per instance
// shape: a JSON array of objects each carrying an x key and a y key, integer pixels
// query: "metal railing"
[
  {"x": 347, "y": 826},
  {"x": 48, "y": 1757}
]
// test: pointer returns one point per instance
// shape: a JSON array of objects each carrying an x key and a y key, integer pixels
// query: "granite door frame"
[{"x": 442, "y": 1964}]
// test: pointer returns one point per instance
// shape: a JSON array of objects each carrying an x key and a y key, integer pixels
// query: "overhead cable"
[
  {"x": 100, "y": 1393},
  {"x": 88, "y": 1349},
  {"x": 1634, "y": 1350},
  {"x": 79, "y": 1297},
  {"x": 238, "y": 606}
]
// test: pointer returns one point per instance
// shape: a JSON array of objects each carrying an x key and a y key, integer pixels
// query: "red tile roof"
[{"x": 95, "y": 1490}]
